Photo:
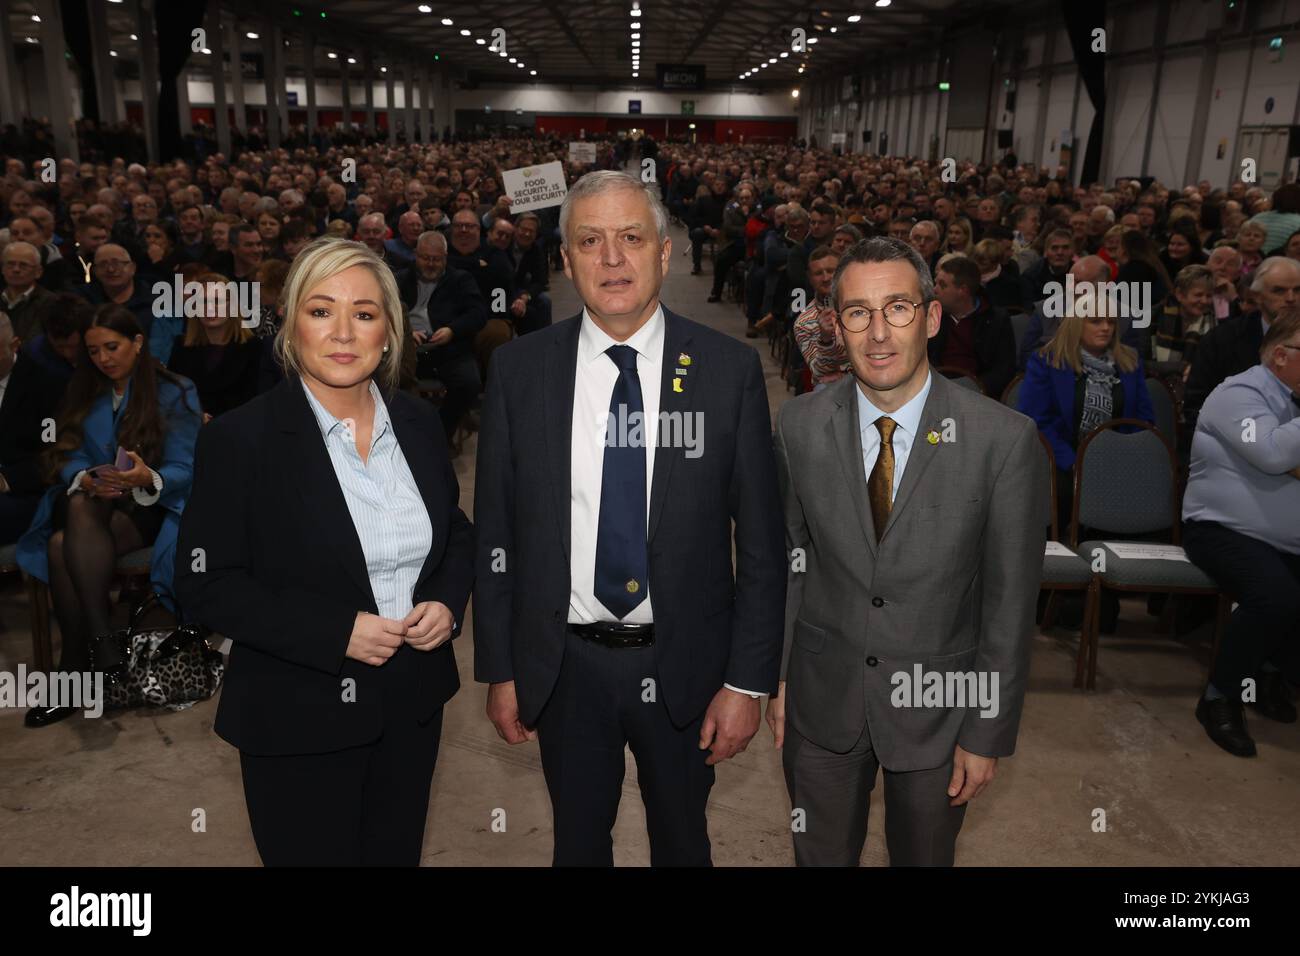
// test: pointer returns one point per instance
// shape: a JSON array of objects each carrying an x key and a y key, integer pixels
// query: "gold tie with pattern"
[{"x": 880, "y": 485}]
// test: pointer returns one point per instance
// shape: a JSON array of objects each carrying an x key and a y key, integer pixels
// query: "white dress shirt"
[
  {"x": 377, "y": 492},
  {"x": 908, "y": 421},
  {"x": 593, "y": 387}
]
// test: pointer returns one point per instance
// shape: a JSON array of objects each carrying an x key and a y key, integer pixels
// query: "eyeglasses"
[{"x": 899, "y": 313}]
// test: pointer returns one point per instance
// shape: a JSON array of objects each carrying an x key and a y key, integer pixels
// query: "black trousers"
[
  {"x": 830, "y": 795},
  {"x": 459, "y": 374},
  {"x": 1265, "y": 583},
  {"x": 602, "y": 703},
  {"x": 363, "y": 806},
  {"x": 723, "y": 263},
  {"x": 16, "y": 513},
  {"x": 698, "y": 240}
]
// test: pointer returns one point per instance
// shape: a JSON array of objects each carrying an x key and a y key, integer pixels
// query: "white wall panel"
[
  {"x": 1128, "y": 129},
  {"x": 1275, "y": 80},
  {"x": 1027, "y": 96},
  {"x": 1175, "y": 113},
  {"x": 1060, "y": 105},
  {"x": 1221, "y": 122}
]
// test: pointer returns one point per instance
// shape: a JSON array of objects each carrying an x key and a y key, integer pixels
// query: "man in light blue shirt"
[
  {"x": 906, "y": 422},
  {"x": 1241, "y": 517}
]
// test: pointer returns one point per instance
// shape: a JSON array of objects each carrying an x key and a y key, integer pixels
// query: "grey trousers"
[{"x": 834, "y": 792}]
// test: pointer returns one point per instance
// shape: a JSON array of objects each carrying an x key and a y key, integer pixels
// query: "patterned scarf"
[{"x": 1098, "y": 397}]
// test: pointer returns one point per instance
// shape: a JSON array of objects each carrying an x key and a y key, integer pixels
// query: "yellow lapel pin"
[
  {"x": 677, "y": 385},
  {"x": 932, "y": 437},
  {"x": 683, "y": 359}
]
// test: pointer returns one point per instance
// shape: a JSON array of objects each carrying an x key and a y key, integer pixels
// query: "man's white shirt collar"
[{"x": 647, "y": 340}]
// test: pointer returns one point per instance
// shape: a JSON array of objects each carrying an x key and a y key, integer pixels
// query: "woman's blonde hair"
[
  {"x": 964, "y": 226},
  {"x": 323, "y": 259},
  {"x": 239, "y": 332},
  {"x": 1063, "y": 350}
]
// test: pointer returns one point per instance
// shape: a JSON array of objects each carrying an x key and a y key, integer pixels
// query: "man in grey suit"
[{"x": 913, "y": 513}]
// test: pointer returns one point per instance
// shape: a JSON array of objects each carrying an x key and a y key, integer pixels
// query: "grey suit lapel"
[
  {"x": 923, "y": 451},
  {"x": 846, "y": 437}
]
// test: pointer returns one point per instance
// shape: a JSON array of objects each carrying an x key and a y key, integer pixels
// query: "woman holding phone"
[
  {"x": 121, "y": 466},
  {"x": 324, "y": 538}
]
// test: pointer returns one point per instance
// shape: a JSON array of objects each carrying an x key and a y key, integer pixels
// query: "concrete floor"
[{"x": 123, "y": 790}]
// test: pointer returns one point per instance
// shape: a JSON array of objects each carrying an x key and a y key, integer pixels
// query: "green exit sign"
[
  {"x": 944, "y": 86},
  {"x": 688, "y": 107}
]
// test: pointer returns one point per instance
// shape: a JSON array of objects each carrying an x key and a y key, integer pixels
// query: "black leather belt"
[{"x": 611, "y": 634}]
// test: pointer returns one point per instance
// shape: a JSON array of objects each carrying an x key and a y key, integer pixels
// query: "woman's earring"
[{"x": 385, "y": 348}]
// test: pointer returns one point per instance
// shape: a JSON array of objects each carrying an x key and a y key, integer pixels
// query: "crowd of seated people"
[
  {"x": 1218, "y": 272},
  {"x": 95, "y": 339},
  {"x": 83, "y": 254}
]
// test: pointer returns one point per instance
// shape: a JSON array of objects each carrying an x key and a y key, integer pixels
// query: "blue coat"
[
  {"x": 99, "y": 447},
  {"x": 1047, "y": 396}
]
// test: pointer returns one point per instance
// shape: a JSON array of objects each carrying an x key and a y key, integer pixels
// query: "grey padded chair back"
[
  {"x": 1162, "y": 403},
  {"x": 1011, "y": 397},
  {"x": 1125, "y": 482},
  {"x": 1019, "y": 326},
  {"x": 1049, "y": 462},
  {"x": 965, "y": 381}
]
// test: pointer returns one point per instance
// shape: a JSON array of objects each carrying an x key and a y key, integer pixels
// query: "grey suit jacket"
[{"x": 952, "y": 584}]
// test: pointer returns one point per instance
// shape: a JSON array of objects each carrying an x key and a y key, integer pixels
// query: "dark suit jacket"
[
  {"x": 285, "y": 576},
  {"x": 31, "y": 396},
  {"x": 28, "y": 315},
  {"x": 455, "y": 303},
  {"x": 1229, "y": 348},
  {"x": 532, "y": 272},
  {"x": 995, "y": 346},
  {"x": 491, "y": 269},
  {"x": 225, "y": 375},
  {"x": 713, "y": 623}
]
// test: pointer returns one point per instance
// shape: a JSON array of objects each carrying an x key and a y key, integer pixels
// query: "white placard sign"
[
  {"x": 535, "y": 187},
  {"x": 582, "y": 152},
  {"x": 1146, "y": 552},
  {"x": 1058, "y": 550}
]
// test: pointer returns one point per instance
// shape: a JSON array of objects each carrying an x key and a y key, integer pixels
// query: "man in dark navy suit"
[{"x": 616, "y": 450}]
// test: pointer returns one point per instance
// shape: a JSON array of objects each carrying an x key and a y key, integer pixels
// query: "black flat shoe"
[
  {"x": 751, "y": 333},
  {"x": 1273, "y": 698},
  {"x": 44, "y": 716},
  {"x": 714, "y": 297},
  {"x": 1225, "y": 722},
  {"x": 697, "y": 271}
]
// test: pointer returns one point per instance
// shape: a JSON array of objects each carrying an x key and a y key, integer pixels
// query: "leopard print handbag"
[{"x": 169, "y": 667}]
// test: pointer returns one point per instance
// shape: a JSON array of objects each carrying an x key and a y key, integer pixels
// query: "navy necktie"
[{"x": 621, "y": 559}]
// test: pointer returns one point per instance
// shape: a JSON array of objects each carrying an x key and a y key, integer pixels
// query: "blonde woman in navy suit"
[{"x": 323, "y": 536}]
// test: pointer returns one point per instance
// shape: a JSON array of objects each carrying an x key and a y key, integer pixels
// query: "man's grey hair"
[
  {"x": 18, "y": 245},
  {"x": 883, "y": 249},
  {"x": 529, "y": 215},
  {"x": 601, "y": 181},
  {"x": 796, "y": 214},
  {"x": 432, "y": 237},
  {"x": 1090, "y": 269},
  {"x": 372, "y": 217},
  {"x": 1267, "y": 267},
  {"x": 929, "y": 224}
]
